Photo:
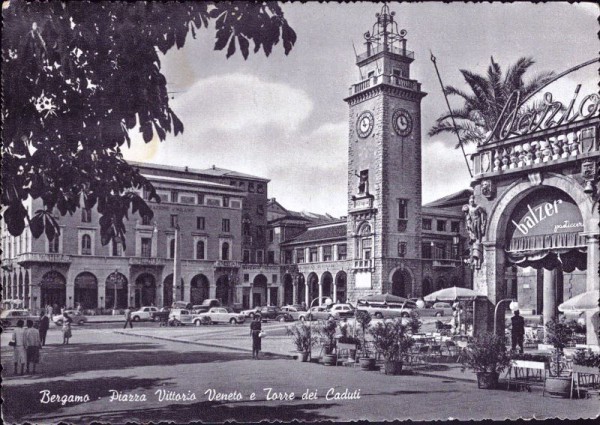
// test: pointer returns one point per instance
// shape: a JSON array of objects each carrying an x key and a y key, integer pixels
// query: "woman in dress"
[
  {"x": 66, "y": 329},
  {"x": 18, "y": 342},
  {"x": 255, "y": 328}
]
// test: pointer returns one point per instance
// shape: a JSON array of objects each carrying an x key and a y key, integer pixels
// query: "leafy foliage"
[
  {"x": 78, "y": 76},
  {"x": 327, "y": 329},
  {"x": 586, "y": 358},
  {"x": 558, "y": 334},
  {"x": 302, "y": 336},
  {"x": 487, "y": 353},
  {"x": 363, "y": 318},
  {"x": 391, "y": 339},
  {"x": 481, "y": 108}
]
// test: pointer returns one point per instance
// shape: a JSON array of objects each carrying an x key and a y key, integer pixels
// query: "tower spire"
[{"x": 385, "y": 36}]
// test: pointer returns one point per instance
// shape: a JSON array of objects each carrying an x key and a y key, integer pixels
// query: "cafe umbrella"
[
  {"x": 587, "y": 301},
  {"x": 454, "y": 293}
]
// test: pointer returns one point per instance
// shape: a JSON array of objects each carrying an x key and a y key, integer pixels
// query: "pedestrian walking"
[
  {"x": 255, "y": 330},
  {"x": 49, "y": 311},
  {"x": 20, "y": 355},
  {"x": 128, "y": 318},
  {"x": 32, "y": 344},
  {"x": 44, "y": 326},
  {"x": 66, "y": 328},
  {"x": 517, "y": 330}
]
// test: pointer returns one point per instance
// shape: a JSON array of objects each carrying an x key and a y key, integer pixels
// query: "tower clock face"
[
  {"x": 364, "y": 125},
  {"x": 402, "y": 121}
]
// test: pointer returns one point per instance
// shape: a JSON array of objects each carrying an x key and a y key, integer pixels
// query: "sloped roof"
[
  {"x": 336, "y": 231},
  {"x": 223, "y": 172},
  {"x": 213, "y": 171},
  {"x": 453, "y": 200}
]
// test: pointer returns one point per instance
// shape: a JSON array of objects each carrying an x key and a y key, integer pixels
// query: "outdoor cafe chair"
[
  {"x": 461, "y": 348},
  {"x": 451, "y": 348}
]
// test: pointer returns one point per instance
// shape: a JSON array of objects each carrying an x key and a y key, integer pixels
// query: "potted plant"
[
  {"x": 328, "y": 331},
  {"x": 302, "y": 338},
  {"x": 391, "y": 340},
  {"x": 345, "y": 341},
  {"x": 414, "y": 323},
  {"x": 487, "y": 357},
  {"x": 363, "y": 318},
  {"x": 557, "y": 335}
]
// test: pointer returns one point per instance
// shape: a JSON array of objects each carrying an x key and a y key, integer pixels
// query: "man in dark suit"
[
  {"x": 43, "y": 327},
  {"x": 517, "y": 332}
]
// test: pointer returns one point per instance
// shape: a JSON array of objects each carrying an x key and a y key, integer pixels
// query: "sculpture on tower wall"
[
  {"x": 476, "y": 221},
  {"x": 363, "y": 182}
]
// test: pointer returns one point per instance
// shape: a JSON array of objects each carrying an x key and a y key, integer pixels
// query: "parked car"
[
  {"x": 284, "y": 316},
  {"x": 250, "y": 312},
  {"x": 315, "y": 313},
  {"x": 9, "y": 318},
  {"x": 386, "y": 310},
  {"x": 180, "y": 316},
  {"x": 144, "y": 313},
  {"x": 268, "y": 312},
  {"x": 442, "y": 309},
  {"x": 218, "y": 315},
  {"x": 341, "y": 311},
  {"x": 77, "y": 316},
  {"x": 206, "y": 305},
  {"x": 181, "y": 304},
  {"x": 298, "y": 307},
  {"x": 292, "y": 311}
]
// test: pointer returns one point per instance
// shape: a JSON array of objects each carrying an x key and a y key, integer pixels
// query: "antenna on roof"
[{"x": 213, "y": 167}]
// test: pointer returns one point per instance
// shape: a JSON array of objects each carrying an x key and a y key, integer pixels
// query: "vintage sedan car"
[
  {"x": 293, "y": 311},
  {"x": 250, "y": 312},
  {"x": 180, "y": 316},
  {"x": 386, "y": 310},
  {"x": 9, "y": 318},
  {"x": 268, "y": 312},
  {"x": 442, "y": 309},
  {"x": 206, "y": 305},
  {"x": 341, "y": 311},
  {"x": 77, "y": 317},
  {"x": 218, "y": 315},
  {"x": 284, "y": 316},
  {"x": 315, "y": 313},
  {"x": 144, "y": 313}
]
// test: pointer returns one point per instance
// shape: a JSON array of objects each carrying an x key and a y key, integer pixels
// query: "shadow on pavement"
[
  {"x": 23, "y": 400},
  {"x": 63, "y": 360},
  {"x": 209, "y": 412}
]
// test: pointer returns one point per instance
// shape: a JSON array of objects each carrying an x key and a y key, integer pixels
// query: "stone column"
[
  {"x": 306, "y": 295},
  {"x": 320, "y": 290},
  {"x": 549, "y": 311},
  {"x": 489, "y": 281},
  {"x": 592, "y": 319},
  {"x": 268, "y": 295},
  {"x": 295, "y": 292},
  {"x": 334, "y": 290},
  {"x": 212, "y": 290}
]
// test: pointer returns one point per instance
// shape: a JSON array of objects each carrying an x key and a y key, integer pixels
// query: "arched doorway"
[
  {"x": 288, "y": 289},
  {"x": 199, "y": 289},
  {"x": 313, "y": 287},
  {"x": 53, "y": 289},
  {"x": 301, "y": 288},
  {"x": 259, "y": 290},
  {"x": 427, "y": 286},
  {"x": 340, "y": 287},
  {"x": 86, "y": 290},
  {"x": 401, "y": 283},
  {"x": 115, "y": 292},
  {"x": 145, "y": 290},
  {"x": 327, "y": 283},
  {"x": 169, "y": 293}
]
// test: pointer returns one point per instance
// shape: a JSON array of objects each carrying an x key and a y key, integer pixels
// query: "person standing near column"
[
  {"x": 44, "y": 326},
  {"x": 517, "y": 331},
  {"x": 128, "y": 318},
  {"x": 255, "y": 329},
  {"x": 17, "y": 342}
]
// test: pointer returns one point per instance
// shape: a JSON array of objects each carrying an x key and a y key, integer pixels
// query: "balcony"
[
  {"x": 362, "y": 265},
  {"x": 261, "y": 266},
  {"x": 29, "y": 258},
  {"x": 391, "y": 80},
  {"x": 227, "y": 264},
  {"x": 378, "y": 48},
  {"x": 148, "y": 261},
  {"x": 546, "y": 148},
  {"x": 445, "y": 263}
]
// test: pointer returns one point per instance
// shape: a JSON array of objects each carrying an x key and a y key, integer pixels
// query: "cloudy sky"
[{"x": 283, "y": 117}]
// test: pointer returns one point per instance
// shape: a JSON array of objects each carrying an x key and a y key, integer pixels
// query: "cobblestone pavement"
[{"x": 100, "y": 363}]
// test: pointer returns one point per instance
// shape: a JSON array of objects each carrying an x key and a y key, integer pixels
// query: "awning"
[
  {"x": 453, "y": 294},
  {"x": 588, "y": 301}
]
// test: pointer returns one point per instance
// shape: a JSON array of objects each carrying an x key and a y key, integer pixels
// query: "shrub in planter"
[
  {"x": 363, "y": 319},
  {"x": 391, "y": 340},
  {"x": 327, "y": 330},
  {"x": 558, "y": 335},
  {"x": 302, "y": 338},
  {"x": 487, "y": 357},
  {"x": 586, "y": 361},
  {"x": 414, "y": 323}
]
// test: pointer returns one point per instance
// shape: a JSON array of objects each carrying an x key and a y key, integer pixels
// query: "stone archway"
[
  {"x": 288, "y": 289},
  {"x": 301, "y": 288},
  {"x": 86, "y": 290},
  {"x": 401, "y": 283},
  {"x": 259, "y": 290},
  {"x": 145, "y": 290},
  {"x": 341, "y": 290},
  {"x": 115, "y": 292},
  {"x": 312, "y": 286},
  {"x": 53, "y": 289},
  {"x": 327, "y": 285},
  {"x": 199, "y": 289}
]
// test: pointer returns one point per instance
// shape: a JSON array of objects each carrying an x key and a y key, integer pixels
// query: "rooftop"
[
  {"x": 320, "y": 233},
  {"x": 213, "y": 171}
]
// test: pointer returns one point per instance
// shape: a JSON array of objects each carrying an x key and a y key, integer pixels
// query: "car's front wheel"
[
  {"x": 439, "y": 314},
  {"x": 136, "y": 318},
  {"x": 59, "y": 323},
  {"x": 197, "y": 322},
  {"x": 302, "y": 318},
  {"x": 251, "y": 316},
  {"x": 233, "y": 322},
  {"x": 405, "y": 315},
  {"x": 282, "y": 318},
  {"x": 378, "y": 315}
]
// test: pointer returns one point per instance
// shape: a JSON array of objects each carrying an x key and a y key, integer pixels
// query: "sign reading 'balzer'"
[{"x": 545, "y": 215}]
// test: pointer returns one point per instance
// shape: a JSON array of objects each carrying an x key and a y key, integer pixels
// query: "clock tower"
[{"x": 384, "y": 166}]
